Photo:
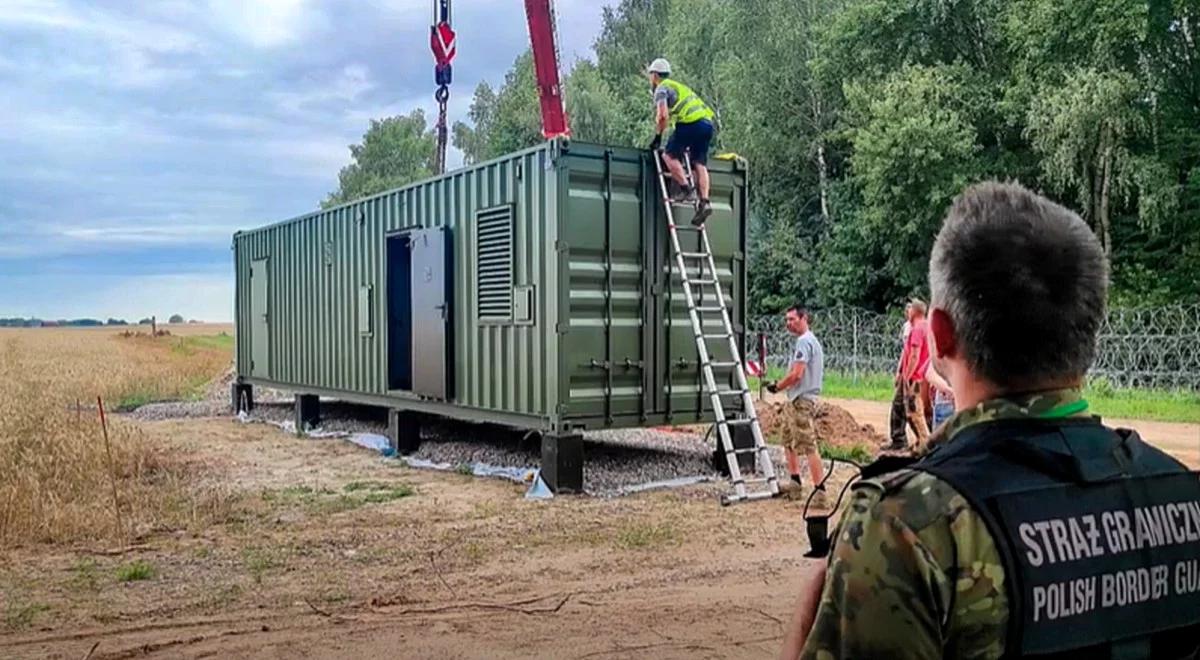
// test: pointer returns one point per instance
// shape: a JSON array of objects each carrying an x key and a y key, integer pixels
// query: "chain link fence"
[{"x": 1138, "y": 348}]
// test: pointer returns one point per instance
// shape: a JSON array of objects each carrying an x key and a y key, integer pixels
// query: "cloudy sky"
[{"x": 136, "y": 137}]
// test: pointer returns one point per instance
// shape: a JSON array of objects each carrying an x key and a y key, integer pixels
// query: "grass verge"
[
  {"x": 326, "y": 501},
  {"x": 1105, "y": 400}
]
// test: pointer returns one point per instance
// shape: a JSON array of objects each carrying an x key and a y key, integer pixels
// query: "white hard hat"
[{"x": 659, "y": 66}]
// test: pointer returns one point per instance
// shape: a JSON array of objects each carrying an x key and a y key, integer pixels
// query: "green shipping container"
[{"x": 537, "y": 291}]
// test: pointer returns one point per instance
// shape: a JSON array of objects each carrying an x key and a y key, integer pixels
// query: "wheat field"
[{"x": 59, "y": 481}]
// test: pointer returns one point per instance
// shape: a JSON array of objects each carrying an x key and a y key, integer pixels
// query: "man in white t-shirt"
[{"x": 803, "y": 382}]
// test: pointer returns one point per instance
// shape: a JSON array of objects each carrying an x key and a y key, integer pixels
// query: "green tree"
[
  {"x": 473, "y": 139},
  {"x": 1082, "y": 132},
  {"x": 175, "y": 318},
  {"x": 592, "y": 106},
  {"x": 517, "y": 122},
  {"x": 631, "y": 36},
  {"x": 914, "y": 150},
  {"x": 394, "y": 151}
]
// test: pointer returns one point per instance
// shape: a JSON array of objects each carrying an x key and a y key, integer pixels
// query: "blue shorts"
[
  {"x": 942, "y": 411},
  {"x": 692, "y": 138}
]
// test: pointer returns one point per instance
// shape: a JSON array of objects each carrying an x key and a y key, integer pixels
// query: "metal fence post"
[{"x": 855, "y": 355}]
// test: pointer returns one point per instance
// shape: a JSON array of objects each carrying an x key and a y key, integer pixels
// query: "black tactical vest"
[{"x": 1099, "y": 533}]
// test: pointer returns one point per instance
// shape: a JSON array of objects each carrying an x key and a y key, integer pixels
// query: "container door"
[
  {"x": 431, "y": 312},
  {"x": 604, "y": 345},
  {"x": 260, "y": 321}
]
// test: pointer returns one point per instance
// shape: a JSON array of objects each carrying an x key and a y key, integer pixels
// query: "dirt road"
[
  {"x": 319, "y": 549},
  {"x": 326, "y": 550},
  {"x": 1180, "y": 440}
]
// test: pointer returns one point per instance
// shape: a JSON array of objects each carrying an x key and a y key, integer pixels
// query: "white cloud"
[
  {"x": 148, "y": 234},
  {"x": 266, "y": 23},
  {"x": 54, "y": 18},
  {"x": 341, "y": 90},
  {"x": 316, "y": 157},
  {"x": 97, "y": 46}
]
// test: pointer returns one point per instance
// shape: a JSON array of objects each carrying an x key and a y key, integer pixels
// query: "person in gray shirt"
[{"x": 798, "y": 428}]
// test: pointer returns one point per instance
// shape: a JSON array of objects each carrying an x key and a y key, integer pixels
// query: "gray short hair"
[{"x": 1024, "y": 280}]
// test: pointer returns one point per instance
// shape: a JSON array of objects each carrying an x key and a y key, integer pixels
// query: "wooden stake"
[{"x": 111, "y": 471}]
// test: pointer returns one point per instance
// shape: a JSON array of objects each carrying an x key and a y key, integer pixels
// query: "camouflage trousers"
[
  {"x": 798, "y": 425},
  {"x": 914, "y": 408}
]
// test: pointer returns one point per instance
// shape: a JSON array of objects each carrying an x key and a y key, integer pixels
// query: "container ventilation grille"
[{"x": 494, "y": 261}]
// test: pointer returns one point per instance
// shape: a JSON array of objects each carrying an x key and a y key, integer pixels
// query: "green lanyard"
[{"x": 1065, "y": 410}]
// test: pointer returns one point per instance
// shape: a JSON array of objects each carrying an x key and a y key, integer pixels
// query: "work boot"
[
  {"x": 681, "y": 194},
  {"x": 703, "y": 210},
  {"x": 894, "y": 446}
]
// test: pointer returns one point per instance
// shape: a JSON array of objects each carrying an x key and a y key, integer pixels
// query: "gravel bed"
[{"x": 615, "y": 462}]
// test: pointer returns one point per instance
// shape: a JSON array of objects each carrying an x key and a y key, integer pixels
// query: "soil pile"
[{"x": 836, "y": 426}]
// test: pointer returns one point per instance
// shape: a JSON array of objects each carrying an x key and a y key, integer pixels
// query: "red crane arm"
[{"x": 540, "y": 15}]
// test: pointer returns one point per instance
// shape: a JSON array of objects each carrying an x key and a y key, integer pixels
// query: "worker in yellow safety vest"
[{"x": 677, "y": 104}]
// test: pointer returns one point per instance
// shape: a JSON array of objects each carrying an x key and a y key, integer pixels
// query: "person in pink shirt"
[{"x": 914, "y": 362}]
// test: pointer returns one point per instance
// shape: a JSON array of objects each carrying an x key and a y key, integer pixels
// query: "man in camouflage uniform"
[
  {"x": 915, "y": 572},
  {"x": 911, "y": 558}
]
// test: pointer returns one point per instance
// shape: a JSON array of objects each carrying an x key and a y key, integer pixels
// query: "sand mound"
[{"x": 836, "y": 426}]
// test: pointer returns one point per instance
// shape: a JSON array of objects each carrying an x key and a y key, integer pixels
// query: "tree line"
[
  {"x": 34, "y": 322},
  {"x": 861, "y": 120}
]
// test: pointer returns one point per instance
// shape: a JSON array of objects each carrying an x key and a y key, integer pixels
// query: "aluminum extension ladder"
[{"x": 704, "y": 258}]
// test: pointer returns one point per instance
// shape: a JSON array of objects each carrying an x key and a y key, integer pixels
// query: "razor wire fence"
[{"x": 1156, "y": 347}]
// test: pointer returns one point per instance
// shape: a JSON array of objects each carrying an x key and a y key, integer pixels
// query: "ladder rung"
[
  {"x": 718, "y": 308},
  {"x": 748, "y": 497},
  {"x": 676, "y": 227},
  {"x": 702, "y": 281},
  {"x": 720, "y": 336},
  {"x": 755, "y": 480},
  {"x": 736, "y": 422},
  {"x": 694, "y": 255},
  {"x": 747, "y": 450},
  {"x": 723, "y": 365},
  {"x": 731, "y": 392}
]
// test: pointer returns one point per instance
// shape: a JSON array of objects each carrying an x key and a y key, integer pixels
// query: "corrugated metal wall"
[
  {"x": 318, "y": 262},
  {"x": 589, "y": 236}
]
